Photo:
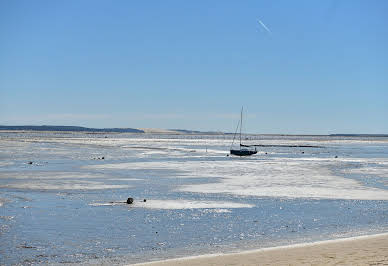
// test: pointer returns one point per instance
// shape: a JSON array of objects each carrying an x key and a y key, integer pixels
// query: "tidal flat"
[{"x": 63, "y": 196}]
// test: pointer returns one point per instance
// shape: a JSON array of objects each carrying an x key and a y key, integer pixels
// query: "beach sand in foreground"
[{"x": 365, "y": 250}]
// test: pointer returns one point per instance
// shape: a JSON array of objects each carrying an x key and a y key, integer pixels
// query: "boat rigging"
[{"x": 242, "y": 151}]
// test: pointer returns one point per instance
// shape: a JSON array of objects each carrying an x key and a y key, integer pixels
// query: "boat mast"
[{"x": 241, "y": 124}]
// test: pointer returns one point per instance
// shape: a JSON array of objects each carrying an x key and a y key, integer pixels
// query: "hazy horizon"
[{"x": 191, "y": 130}]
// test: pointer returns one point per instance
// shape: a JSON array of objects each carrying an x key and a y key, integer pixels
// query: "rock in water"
[{"x": 129, "y": 200}]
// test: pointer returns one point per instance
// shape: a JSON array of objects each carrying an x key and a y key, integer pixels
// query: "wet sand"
[{"x": 364, "y": 250}]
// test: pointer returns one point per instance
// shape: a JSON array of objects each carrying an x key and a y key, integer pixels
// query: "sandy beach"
[{"x": 364, "y": 250}]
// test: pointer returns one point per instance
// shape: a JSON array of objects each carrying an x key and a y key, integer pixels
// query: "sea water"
[{"x": 62, "y": 195}]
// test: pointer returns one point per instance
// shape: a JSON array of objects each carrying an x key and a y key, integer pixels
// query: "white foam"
[
  {"x": 61, "y": 180},
  {"x": 50, "y": 175},
  {"x": 189, "y": 204},
  {"x": 107, "y": 204},
  {"x": 280, "y": 177},
  {"x": 369, "y": 170},
  {"x": 2, "y": 164},
  {"x": 220, "y": 206},
  {"x": 216, "y": 211},
  {"x": 62, "y": 185}
]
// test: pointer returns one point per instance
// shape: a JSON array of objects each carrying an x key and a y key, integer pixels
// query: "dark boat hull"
[{"x": 242, "y": 152}]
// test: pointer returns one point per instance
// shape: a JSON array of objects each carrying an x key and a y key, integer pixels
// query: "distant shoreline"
[
  {"x": 49, "y": 128},
  {"x": 69, "y": 129}
]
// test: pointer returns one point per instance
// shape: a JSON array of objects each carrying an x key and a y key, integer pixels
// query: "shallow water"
[{"x": 68, "y": 205}]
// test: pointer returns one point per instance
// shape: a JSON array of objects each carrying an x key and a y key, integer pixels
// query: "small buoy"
[
  {"x": 302, "y": 151},
  {"x": 129, "y": 200},
  {"x": 266, "y": 153},
  {"x": 102, "y": 158},
  {"x": 336, "y": 156},
  {"x": 30, "y": 162},
  {"x": 144, "y": 200}
]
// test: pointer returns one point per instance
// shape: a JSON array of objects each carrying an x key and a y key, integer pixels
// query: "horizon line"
[{"x": 67, "y": 128}]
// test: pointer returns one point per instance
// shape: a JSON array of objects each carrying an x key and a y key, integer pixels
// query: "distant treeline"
[{"x": 72, "y": 128}]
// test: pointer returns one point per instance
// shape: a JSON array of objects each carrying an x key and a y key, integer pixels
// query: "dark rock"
[
  {"x": 336, "y": 156},
  {"x": 26, "y": 246},
  {"x": 144, "y": 200},
  {"x": 129, "y": 200}
]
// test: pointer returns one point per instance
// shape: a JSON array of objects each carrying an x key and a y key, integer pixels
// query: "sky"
[{"x": 297, "y": 67}]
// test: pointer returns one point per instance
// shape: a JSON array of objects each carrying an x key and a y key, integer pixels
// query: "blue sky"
[{"x": 321, "y": 68}]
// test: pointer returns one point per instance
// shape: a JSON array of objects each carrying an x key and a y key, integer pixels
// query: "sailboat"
[{"x": 243, "y": 151}]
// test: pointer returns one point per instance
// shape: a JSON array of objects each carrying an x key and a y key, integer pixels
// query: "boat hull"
[{"x": 242, "y": 152}]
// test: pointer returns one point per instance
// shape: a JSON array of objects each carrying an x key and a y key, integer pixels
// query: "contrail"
[{"x": 265, "y": 27}]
